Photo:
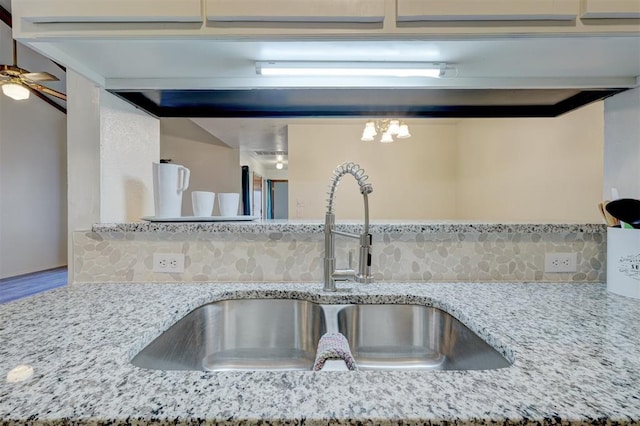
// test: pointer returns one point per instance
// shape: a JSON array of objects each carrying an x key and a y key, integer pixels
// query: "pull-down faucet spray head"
[{"x": 343, "y": 169}]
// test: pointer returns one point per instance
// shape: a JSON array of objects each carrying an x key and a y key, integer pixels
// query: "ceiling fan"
[{"x": 17, "y": 82}]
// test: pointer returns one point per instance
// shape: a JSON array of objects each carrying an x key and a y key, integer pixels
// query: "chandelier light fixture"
[{"x": 387, "y": 128}]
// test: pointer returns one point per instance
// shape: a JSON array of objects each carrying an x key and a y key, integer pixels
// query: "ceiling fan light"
[
  {"x": 403, "y": 132},
  {"x": 15, "y": 91},
  {"x": 366, "y": 138},
  {"x": 386, "y": 138}
]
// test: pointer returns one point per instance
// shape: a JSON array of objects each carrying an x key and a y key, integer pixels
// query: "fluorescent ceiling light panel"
[{"x": 352, "y": 69}]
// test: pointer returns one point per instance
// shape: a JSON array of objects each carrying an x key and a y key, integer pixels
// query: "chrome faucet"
[{"x": 331, "y": 274}]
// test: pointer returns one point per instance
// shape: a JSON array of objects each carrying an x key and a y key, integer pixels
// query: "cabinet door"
[
  {"x": 58, "y": 11},
  {"x": 487, "y": 10},
  {"x": 611, "y": 9},
  {"x": 295, "y": 10}
]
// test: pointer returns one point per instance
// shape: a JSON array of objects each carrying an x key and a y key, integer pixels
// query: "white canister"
[
  {"x": 623, "y": 261},
  {"x": 169, "y": 182}
]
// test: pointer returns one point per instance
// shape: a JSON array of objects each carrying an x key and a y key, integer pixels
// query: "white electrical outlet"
[
  {"x": 561, "y": 262},
  {"x": 168, "y": 262}
]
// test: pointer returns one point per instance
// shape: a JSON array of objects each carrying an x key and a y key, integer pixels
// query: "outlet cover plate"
[
  {"x": 168, "y": 262},
  {"x": 561, "y": 262}
]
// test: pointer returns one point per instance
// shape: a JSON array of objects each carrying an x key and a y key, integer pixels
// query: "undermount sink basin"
[
  {"x": 247, "y": 334},
  {"x": 283, "y": 334},
  {"x": 413, "y": 337}
]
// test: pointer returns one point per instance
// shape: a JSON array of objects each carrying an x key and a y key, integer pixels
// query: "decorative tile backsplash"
[{"x": 121, "y": 256}]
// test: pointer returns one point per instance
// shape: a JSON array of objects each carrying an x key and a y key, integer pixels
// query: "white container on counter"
[
  {"x": 169, "y": 182},
  {"x": 623, "y": 261}
]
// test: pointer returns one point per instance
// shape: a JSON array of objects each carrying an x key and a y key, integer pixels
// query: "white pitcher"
[{"x": 169, "y": 182}]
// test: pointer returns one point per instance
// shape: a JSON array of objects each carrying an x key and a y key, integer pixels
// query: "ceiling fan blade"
[
  {"x": 39, "y": 76},
  {"x": 46, "y": 90}
]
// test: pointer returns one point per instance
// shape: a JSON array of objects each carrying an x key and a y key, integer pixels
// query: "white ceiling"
[{"x": 534, "y": 62}]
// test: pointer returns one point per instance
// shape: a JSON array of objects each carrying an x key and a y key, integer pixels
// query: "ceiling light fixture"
[
  {"x": 279, "y": 165},
  {"x": 388, "y": 128},
  {"x": 15, "y": 91},
  {"x": 352, "y": 69}
]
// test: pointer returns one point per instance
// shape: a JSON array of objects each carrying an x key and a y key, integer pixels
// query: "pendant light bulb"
[
  {"x": 386, "y": 138},
  {"x": 403, "y": 132},
  {"x": 394, "y": 127}
]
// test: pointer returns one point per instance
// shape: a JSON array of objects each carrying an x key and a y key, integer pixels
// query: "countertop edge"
[{"x": 267, "y": 226}]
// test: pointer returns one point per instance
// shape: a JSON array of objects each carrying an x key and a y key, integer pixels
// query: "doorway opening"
[{"x": 277, "y": 199}]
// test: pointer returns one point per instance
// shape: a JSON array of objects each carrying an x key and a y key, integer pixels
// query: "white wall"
[
  {"x": 412, "y": 179},
  {"x": 622, "y": 144},
  {"x": 129, "y": 143},
  {"x": 33, "y": 233},
  {"x": 214, "y": 166},
  {"x": 83, "y": 155},
  {"x": 110, "y": 145},
  {"x": 532, "y": 169}
]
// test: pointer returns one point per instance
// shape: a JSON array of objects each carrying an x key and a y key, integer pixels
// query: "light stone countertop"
[
  {"x": 576, "y": 351},
  {"x": 376, "y": 227}
]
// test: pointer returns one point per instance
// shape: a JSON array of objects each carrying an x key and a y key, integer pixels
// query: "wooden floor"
[{"x": 27, "y": 285}]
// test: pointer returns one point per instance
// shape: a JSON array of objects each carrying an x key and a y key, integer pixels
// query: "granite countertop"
[
  {"x": 376, "y": 227},
  {"x": 575, "y": 349}
]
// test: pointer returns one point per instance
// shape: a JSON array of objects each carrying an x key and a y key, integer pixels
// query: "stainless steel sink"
[
  {"x": 247, "y": 334},
  {"x": 283, "y": 334},
  {"x": 413, "y": 337}
]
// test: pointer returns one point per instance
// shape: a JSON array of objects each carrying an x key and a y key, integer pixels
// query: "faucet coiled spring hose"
[{"x": 365, "y": 188}]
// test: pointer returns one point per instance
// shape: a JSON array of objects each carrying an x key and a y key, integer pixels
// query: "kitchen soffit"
[{"x": 362, "y": 102}]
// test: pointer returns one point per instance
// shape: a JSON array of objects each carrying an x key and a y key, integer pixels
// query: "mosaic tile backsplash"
[{"x": 121, "y": 256}]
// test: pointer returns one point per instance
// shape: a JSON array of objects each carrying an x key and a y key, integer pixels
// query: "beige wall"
[
  {"x": 528, "y": 170},
  {"x": 214, "y": 166},
  {"x": 412, "y": 179},
  {"x": 532, "y": 169},
  {"x": 33, "y": 231}
]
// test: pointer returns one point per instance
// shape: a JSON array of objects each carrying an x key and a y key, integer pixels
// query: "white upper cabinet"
[
  {"x": 92, "y": 11},
  {"x": 487, "y": 10},
  {"x": 38, "y": 19},
  {"x": 295, "y": 10},
  {"x": 611, "y": 9}
]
